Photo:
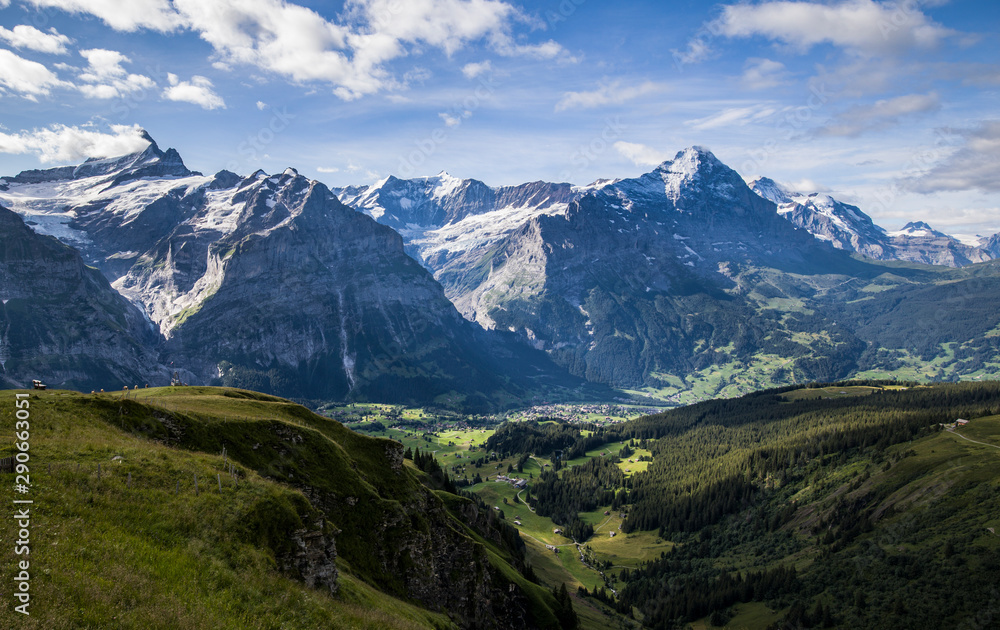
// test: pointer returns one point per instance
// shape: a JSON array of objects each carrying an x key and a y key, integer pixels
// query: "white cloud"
[
  {"x": 546, "y": 50},
  {"x": 697, "y": 51},
  {"x": 879, "y": 115},
  {"x": 60, "y": 143},
  {"x": 608, "y": 94},
  {"x": 24, "y": 36},
  {"x": 640, "y": 154},
  {"x": 28, "y": 78},
  {"x": 763, "y": 74},
  {"x": 733, "y": 116},
  {"x": 327, "y": 169},
  {"x": 861, "y": 26},
  {"x": 806, "y": 186},
  {"x": 473, "y": 70},
  {"x": 198, "y": 91},
  {"x": 102, "y": 64},
  {"x": 122, "y": 15},
  {"x": 450, "y": 120},
  {"x": 972, "y": 167},
  {"x": 297, "y": 43},
  {"x": 104, "y": 76},
  {"x": 261, "y": 105}
]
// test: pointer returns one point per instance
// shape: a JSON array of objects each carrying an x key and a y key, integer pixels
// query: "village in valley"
[{"x": 458, "y": 443}]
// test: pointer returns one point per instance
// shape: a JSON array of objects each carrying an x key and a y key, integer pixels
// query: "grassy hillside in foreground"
[{"x": 302, "y": 500}]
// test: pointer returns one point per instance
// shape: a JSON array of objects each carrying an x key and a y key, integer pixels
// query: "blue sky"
[{"x": 892, "y": 106}]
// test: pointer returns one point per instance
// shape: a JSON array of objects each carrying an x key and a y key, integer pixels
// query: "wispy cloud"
[
  {"x": 879, "y": 115},
  {"x": 640, "y": 154},
  {"x": 452, "y": 120},
  {"x": 473, "y": 70},
  {"x": 697, "y": 50},
  {"x": 61, "y": 143},
  {"x": 733, "y": 116},
  {"x": 764, "y": 74},
  {"x": 971, "y": 167},
  {"x": 327, "y": 169},
  {"x": 608, "y": 94}
]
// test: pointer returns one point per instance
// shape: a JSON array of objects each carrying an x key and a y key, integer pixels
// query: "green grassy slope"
[{"x": 153, "y": 553}]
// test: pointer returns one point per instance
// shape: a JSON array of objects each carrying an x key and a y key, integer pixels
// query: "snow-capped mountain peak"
[
  {"x": 918, "y": 229},
  {"x": 771, "y": 190}
]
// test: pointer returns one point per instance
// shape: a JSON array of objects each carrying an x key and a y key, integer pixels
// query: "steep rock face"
[
  {"x": 644, "y": 276},
  {"x": 274, "y": 284},
  {"x": 446, "y": 221},
  {"x": 398, "y": 534},
  {"x": 842, "y": 225},
  {"x": 445, "y": 571},
  {"x": 269, "y": 282},
  {"x": 919, "y": 242},
  {"x": 60, "y": 321},
  {"x": 314, "y": 559},
  {"x": 111, "y": 209},
  {"x": 426, "y": 203},
  {"x": 991, "y": 245}
]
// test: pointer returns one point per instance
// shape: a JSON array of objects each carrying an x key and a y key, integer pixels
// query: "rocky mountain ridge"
[
  {"x": 682, "y": 275},
  {"x": 847, "y": 227},
  {"x": 270, "y": 282}
]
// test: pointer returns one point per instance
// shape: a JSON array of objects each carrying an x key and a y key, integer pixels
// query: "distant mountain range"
[
  {"x": 846, "y": 227},
  {"x": 683, "y": 282}
]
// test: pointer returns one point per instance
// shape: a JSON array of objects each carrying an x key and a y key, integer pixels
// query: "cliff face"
[
  {"x": 364, "y": 505},
  {"x": 314, "y": 559},
  {"x": 61, "y": 321},
  {"x": 301, "y": 295},
  {"x": 270, "y": 283}
]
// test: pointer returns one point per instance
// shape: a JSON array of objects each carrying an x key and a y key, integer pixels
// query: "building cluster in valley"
[
  {"x": 520, "y": 484},
  {"x": 600, "y": 414},
  {"x": 957, "y": 424}
]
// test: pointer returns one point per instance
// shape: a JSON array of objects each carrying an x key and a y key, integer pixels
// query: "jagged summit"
[
  {"x": 694, "y": 173},
  {"x": 771, "y": 190},
  {"x": 689, "y": 159},
  {"x": 149, "y": 162}
]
